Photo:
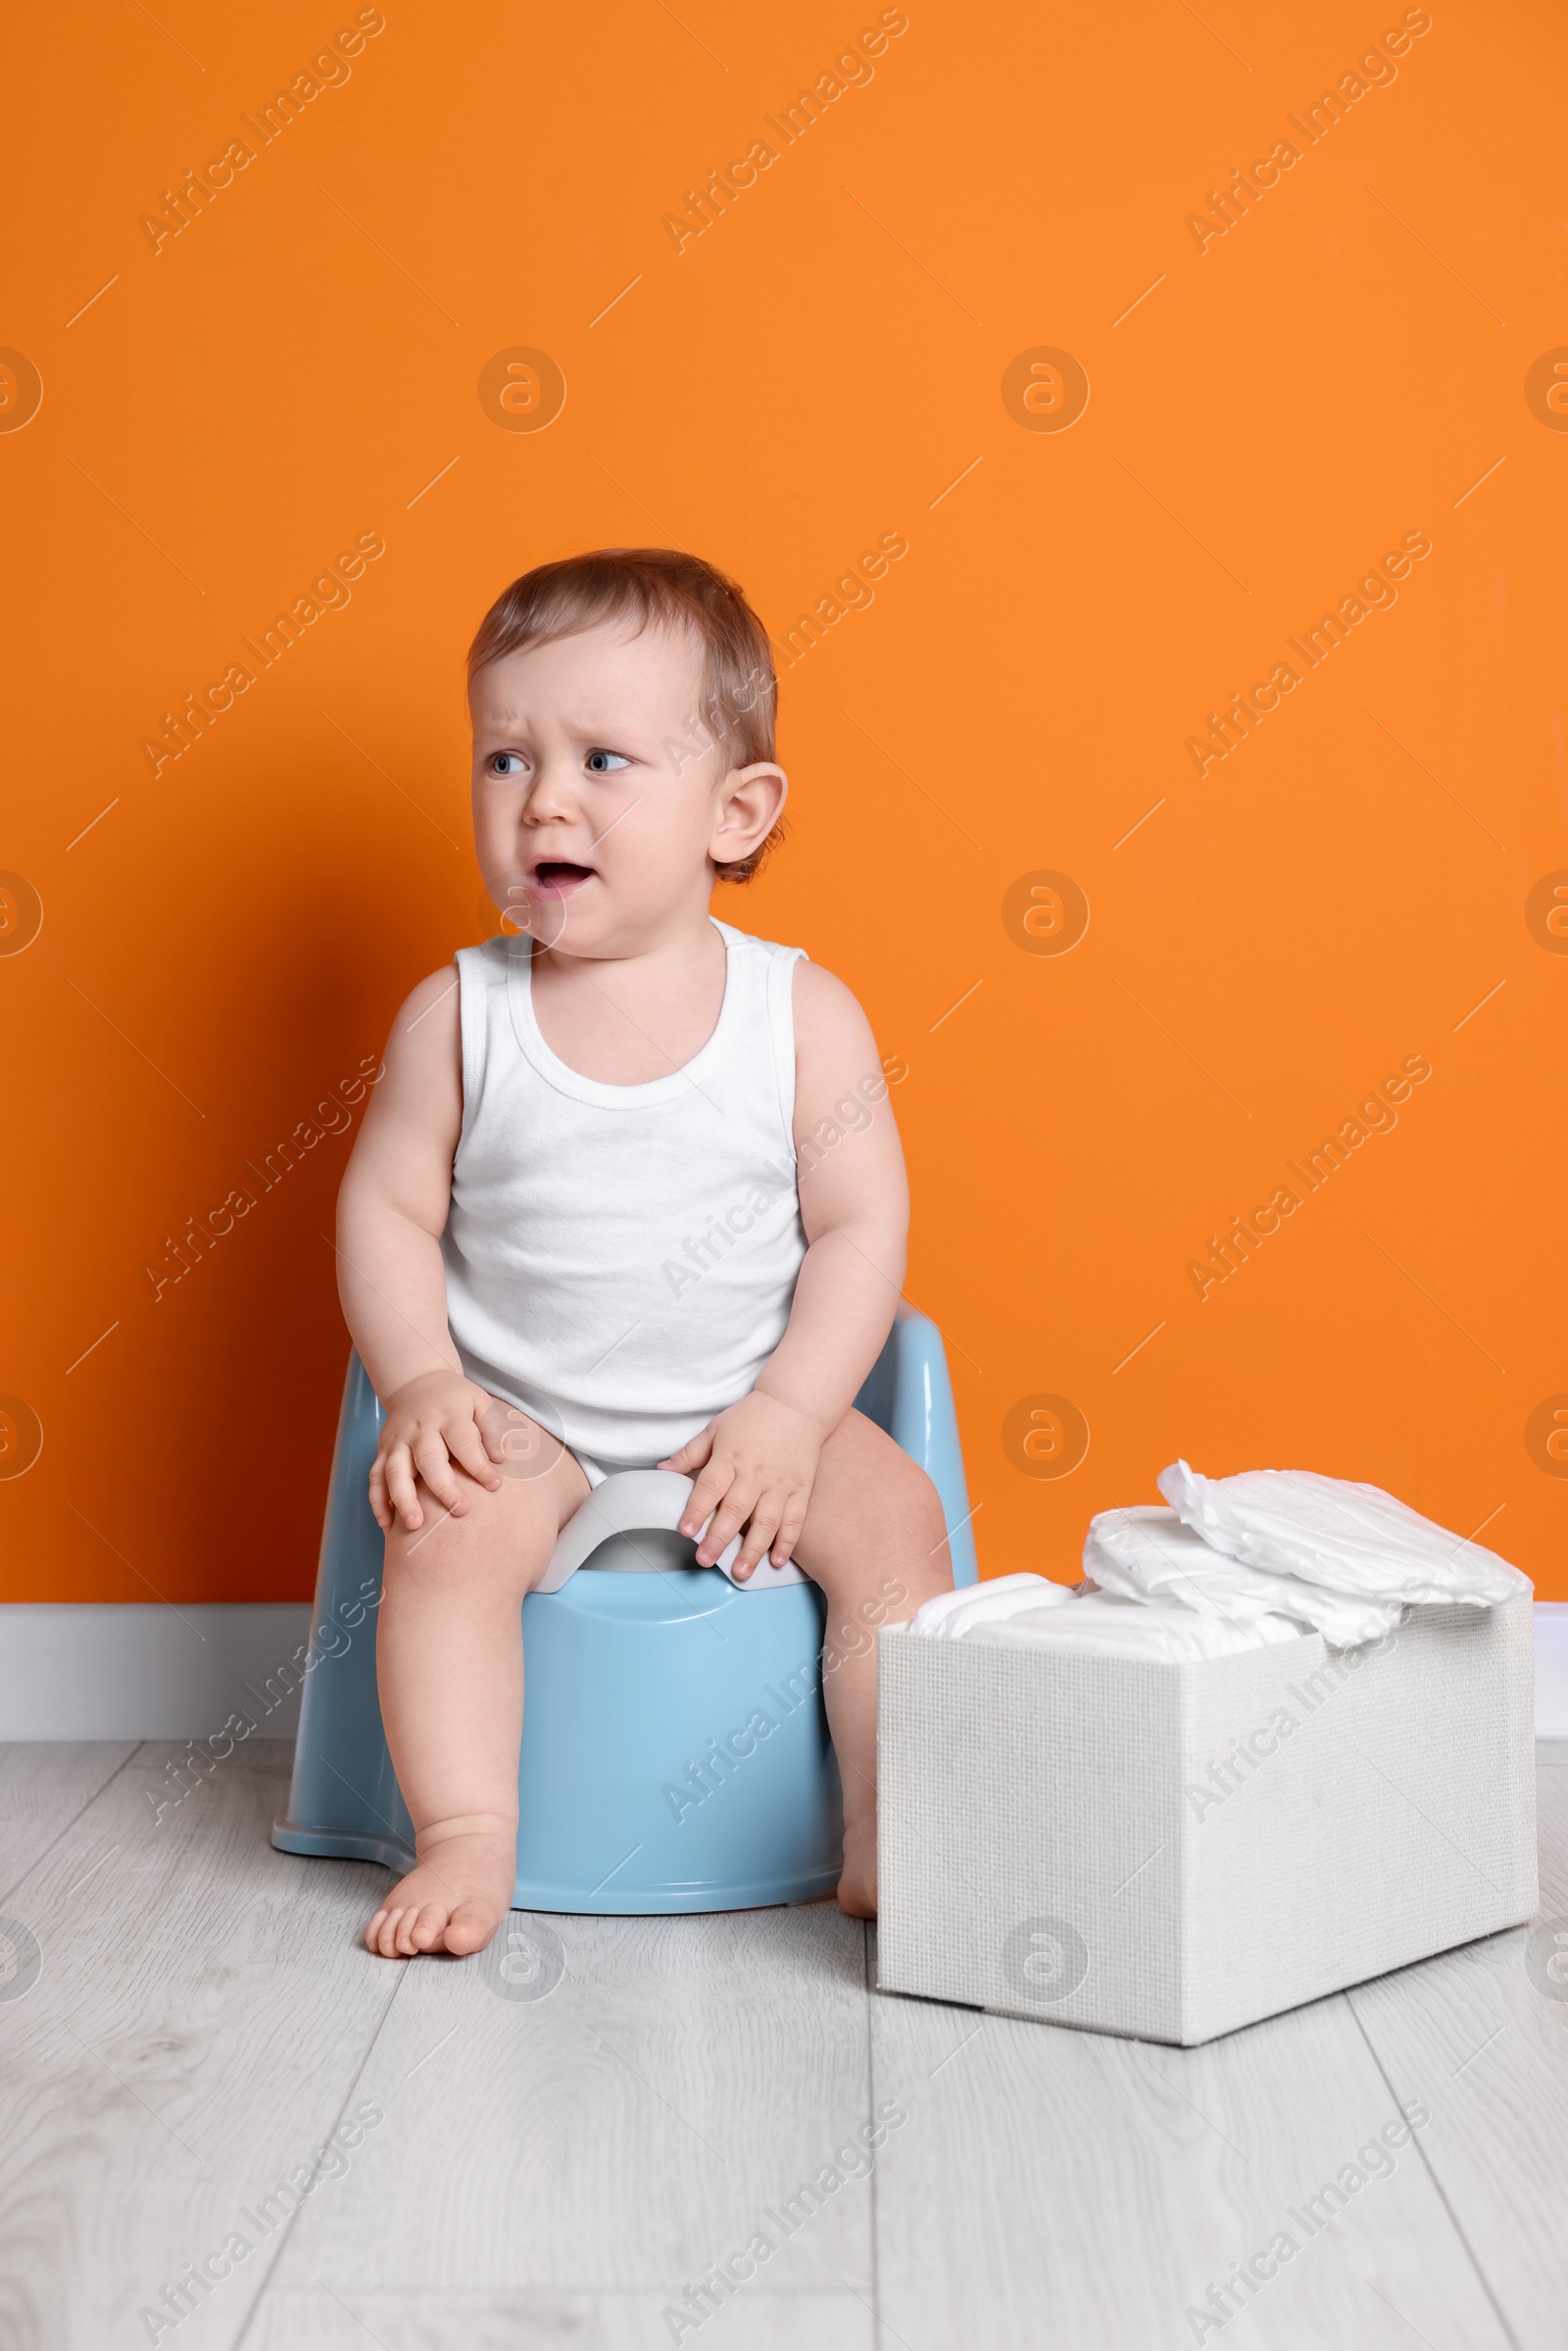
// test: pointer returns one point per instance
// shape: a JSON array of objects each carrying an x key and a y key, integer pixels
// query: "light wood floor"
[{"x": 559, "y": 2169}]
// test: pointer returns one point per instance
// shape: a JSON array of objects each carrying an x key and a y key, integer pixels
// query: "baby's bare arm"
[
  {"x": 758, "y": 1461},
  {"x": 392, "y": 1210},
  {"x": 854, "y": 1207}
]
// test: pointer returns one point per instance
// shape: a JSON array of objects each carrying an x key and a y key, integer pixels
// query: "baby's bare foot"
[
  {"x": 453, "y": 1900},
  {"x": 857, "y": 1892}
]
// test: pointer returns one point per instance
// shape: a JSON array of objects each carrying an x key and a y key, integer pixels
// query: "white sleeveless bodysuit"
[{"x": 621, "y": 1259}]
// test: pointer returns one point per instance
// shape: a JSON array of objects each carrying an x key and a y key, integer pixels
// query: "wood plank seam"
[
  {"x": 1441, "y": 2191},
  {"x": 288, "y": 2230},
  {"x": 67, "y": 1825}
]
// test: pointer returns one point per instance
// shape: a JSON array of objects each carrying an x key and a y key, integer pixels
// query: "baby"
[{"x": 575, "y": 1235}]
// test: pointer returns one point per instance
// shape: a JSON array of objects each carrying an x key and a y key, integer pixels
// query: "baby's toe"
[
  {"x": 470, "y": 1928},
  {"x": 373, "y": 1932},
  {"x": 407, "y": 1920},
  {"x": 427, "y": 1926},
  {"x": 391, "y": 1928}
]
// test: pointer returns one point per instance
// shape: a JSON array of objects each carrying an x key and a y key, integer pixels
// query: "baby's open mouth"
[{"x": 558, "y": 877}]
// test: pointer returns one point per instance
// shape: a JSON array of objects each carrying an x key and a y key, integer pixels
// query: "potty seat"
[{"x": 674, "y": 1751}]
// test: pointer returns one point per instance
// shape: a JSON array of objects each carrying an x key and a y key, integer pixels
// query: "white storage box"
[{"x": 1170, "y": 1851}]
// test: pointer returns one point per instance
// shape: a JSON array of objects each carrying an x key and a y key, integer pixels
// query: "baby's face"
[{"x": 595, "y": 806}]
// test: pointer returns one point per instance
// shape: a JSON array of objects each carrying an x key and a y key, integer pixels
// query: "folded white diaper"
[
  {"x": 952, "y": 1613},
  {"x": 1033, "y": 1609},
  {"x": 1100, "y": 1625},
  {"x": 1233, "y": 1565},
  {"x": 962, "y": 1611},
  {"x": 1336, "y": 1532},
  {"x": 1146, "y": 1552}
]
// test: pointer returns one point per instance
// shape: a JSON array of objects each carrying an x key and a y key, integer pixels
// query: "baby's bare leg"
[
  {"x": 876, "y": 1541},
  {"x": 449, "y": 1663}
]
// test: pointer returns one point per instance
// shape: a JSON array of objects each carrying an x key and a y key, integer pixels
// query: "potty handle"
[{"x": 637, "y": 1501}]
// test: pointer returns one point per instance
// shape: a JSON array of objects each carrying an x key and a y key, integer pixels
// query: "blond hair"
[{"x": 663, "y": 587}]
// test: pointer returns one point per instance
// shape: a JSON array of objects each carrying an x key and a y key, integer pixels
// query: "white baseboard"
[
  {"x": 91, "y": 1670},
  {"x": 95, "y": 1670}
]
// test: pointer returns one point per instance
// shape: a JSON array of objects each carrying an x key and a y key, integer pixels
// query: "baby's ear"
[{"x": 751, "y": 801}]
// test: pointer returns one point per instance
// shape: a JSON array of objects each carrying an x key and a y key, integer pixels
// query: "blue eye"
[
  {"x": 506, "y": 762},
  {"x": 605, "y": 763}
]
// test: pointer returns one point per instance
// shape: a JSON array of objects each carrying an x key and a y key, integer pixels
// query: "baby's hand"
[
  {"x": 760, "y": 1458},
  {"x": 431, "y": 1423}
]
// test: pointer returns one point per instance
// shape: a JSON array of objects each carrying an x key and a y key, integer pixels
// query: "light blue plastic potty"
[{"x": 674, "y": 1752}]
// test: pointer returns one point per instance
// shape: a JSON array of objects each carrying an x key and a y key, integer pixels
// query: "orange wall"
[{"x": 1268, "y": 414}]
